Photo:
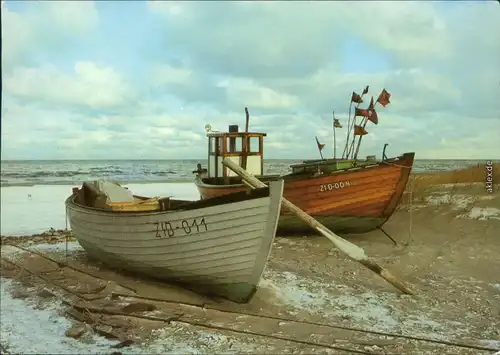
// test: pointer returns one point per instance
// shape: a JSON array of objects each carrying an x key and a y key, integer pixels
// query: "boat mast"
[{"x": 244, "y": 143}]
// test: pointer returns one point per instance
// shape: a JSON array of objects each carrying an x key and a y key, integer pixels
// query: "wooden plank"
[{"x": 351, "y": 250}]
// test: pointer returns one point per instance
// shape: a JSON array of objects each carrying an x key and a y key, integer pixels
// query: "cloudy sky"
[{"x": 140, "y": 79}]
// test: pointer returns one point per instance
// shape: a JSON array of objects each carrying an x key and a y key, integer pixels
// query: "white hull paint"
[{"x": 220, "y": 249}]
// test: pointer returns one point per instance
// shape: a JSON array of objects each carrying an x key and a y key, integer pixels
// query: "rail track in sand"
[{"x": 87, "y": 306}]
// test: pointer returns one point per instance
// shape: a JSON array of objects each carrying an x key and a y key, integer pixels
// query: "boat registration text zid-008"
[{"x": 334, "y": 186}]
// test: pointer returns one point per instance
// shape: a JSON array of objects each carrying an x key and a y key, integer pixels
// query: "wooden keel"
[{"x": 351, "y": 250}]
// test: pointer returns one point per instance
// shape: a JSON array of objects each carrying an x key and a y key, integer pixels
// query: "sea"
[{"x": 74, "y": 172}]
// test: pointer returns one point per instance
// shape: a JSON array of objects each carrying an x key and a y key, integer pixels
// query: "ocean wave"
[
  {"x": 27, "y": 173},
  {"x": 79, "y": 183}
]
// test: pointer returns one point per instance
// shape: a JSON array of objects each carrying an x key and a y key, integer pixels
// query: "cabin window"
[
  {"x": 234, "y": 144},
  {"x": 220, "y": 144},
  {"x": 254, "y": 145},
  {"x": 239, "y": 144},
  {"x": 212, "y": 144}
]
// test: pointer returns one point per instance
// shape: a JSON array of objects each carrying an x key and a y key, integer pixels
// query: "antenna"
[{"x": 208, "y": 128}]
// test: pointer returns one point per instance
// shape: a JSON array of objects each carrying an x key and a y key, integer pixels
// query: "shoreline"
[
  {"x": 74, "y": 184},
  {"x": 173, "y": 181},
  {"x": 474, "y": 172}
]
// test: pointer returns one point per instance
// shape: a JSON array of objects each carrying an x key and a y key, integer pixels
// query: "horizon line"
[{"x": 179, "y": 159}]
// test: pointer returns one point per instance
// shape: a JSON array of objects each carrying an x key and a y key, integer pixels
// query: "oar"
[{"x": 351, "y": 250}]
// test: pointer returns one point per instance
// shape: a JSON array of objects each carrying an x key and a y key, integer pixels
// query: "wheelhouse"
[{"x": 244, "y": 148}]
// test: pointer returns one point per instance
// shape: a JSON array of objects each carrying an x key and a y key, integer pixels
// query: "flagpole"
[
  {"x": 334, "y": 138},
  {"x": 348, "y": 129},
  {"x": 359, "y": 140},
  {"x": 355, "y": 156},
  {"x": 352, "y": 143},
  {"x": 347, "y": 149},
  {"x": 320, "y": 148}
]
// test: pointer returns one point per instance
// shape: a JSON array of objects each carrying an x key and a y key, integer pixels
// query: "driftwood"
[{"x": 351, "y": 250}]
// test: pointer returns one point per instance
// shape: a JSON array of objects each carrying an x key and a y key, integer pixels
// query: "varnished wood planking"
[
  {"x": 365, "y": 189},
  {"x": 373, "y": 191}
]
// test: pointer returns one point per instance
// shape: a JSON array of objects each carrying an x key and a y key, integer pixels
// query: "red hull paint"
[{"x": 366, "y": 192}]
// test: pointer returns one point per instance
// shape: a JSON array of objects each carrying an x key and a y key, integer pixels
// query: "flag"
[
  {"x": 372, "y": 105},
  {"x": 384, "y": 98},
  {"x": 363, "y": 112},
  {"x": 336, "y": 123},
  {"x": 356, "y": 98},
  {"x": 320, "y": 146},
  {"x": 370, "y": 114},
  {"x": 365, "y": 91},
  {"x": 359, "y": 131},
  {"x": 373, "y": 116}
]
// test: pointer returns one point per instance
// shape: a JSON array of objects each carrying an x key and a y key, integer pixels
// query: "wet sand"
[{"x": 309, "y": 300}]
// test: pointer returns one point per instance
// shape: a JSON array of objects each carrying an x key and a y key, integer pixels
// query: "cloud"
[
  {"x": 90, "y": 85},
  {"x": 44, "y": 25},
  {"x": 291, "y": 63}
]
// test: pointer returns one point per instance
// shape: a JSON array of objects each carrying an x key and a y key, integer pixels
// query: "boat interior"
[{"x": 111, "y": 196}]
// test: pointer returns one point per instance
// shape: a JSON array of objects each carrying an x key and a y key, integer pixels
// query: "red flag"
[
  {"x": 373, "y": 116},
  {"x": 362, "y": 112},
  {"x": 372, "y": 105},
  {"x": 359, "y": 131},
  {"x": 384, "y": 98},
  {"x": 356, "y": 98},
  {"x": 370, "y": 114},
  {"x": 320, "y": 146},
  {"x": 365, "y": 91}
]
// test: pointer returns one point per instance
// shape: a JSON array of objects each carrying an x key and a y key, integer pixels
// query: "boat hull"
[
  {"x": 354, "y": 200},
  {"x": 220, "y": 249}
]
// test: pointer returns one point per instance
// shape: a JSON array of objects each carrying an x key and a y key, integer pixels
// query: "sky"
[{"x": 141, "y": 79}]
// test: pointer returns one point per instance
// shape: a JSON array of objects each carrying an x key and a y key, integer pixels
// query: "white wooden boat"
[{"x": 220, "y": 245}]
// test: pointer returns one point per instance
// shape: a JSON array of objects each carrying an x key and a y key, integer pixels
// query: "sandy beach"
[{"x": 312, "y": 298}]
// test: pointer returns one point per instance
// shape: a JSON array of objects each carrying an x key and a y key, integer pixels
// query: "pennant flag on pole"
[
  {"x": 373, "y": 116},
  {"x": 356, "y": 98},
  {"x": 320, "y": 146},
  {"x": 370, "y": 114},
  {"x": 336, "y": 123},
  {"x": 361, "y": 112},
  {"x": 359, "y": 131},
  {"x": 384, "y": 98},
  {"x": 365, "y": 91},
  {"x": 372, "y": 105}
]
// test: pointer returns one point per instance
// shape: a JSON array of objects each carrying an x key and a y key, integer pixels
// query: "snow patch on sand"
[
  {"x": 58, "y": 247},
  {"x": 482, "y": 214},
  {"x": 32, "y": 327},
  {"x": 377, "y": 311},
  {"x": 73, "y": 246},
  {"x": 491, "y": 343},
  {"x": 27, "y": 328},
  {"x": 456, "y": 201},
  {"x": 496, "y": 286},
  {"x": 465, "y": 202},
  {"x": 185, "y": 339}
]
